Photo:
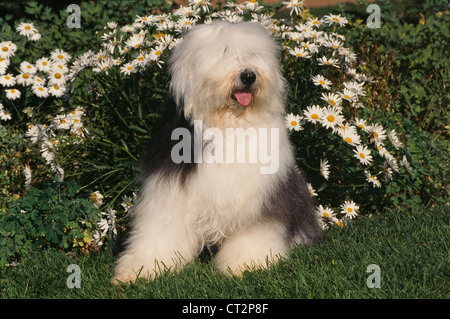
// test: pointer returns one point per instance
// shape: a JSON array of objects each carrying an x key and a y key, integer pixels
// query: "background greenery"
[{"x": 404, "y": 234}]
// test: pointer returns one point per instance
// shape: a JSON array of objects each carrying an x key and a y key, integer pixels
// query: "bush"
[
  {"x": 48, "y": 217},
  {"x": 77, "y": 134}
]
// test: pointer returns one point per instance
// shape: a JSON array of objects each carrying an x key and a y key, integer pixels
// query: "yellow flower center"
[
  {"x": 362, "y": 155},
  {"x": 322, "y": 82},
  {"x": 158, "y": 52},
  {"x": 44, "y": 63},
  {"x": 27, "y": 27},
  {"x": 326, "y": 214},
  {"x": 335, "y": 19},
  {"x": 57, "y": 75},
  {"x": 330, "y": 118},
  {"x": 7, "y": 77},
  {"x": 348, "y": 140},
  {"x": 4, "y": 49},
  {"x": 349, "y": 209},
  {"x": 376, "y": 134},
  {"x": 13, "y": 91},
  {"x": 294, "y": 123},
  {"x": 314, "y": 116},
  {"x": 41, "y": 89},
  {"x": 60, "y": 56},
  {"x": 347, "y": 97},
  {"x": 130, "y": 68},
  {"x": 25, "y": 76},
  {"x": 140, "y": 58},
  {"x": 332, "y": 102},
  {"x": 56, "y": 87},
  {"x": 299, "y": 54}
]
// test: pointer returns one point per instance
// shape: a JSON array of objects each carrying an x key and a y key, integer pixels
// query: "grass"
[{"x": 410, "y": 246}]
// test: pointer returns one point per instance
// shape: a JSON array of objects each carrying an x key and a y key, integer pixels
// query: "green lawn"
[{"x": 410, "y": 247}]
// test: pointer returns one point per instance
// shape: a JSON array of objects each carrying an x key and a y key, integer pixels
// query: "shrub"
[{"x": 47, "y": 217}]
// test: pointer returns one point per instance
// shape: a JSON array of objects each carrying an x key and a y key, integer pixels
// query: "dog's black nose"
[{"x": 248, "y": 77}]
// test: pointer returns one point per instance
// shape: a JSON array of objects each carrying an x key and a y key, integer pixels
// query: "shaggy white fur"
[{"x": 226, "y": 76}]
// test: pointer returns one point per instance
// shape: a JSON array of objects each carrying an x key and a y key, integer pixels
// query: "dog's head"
[{"x": 223, "y": 70}]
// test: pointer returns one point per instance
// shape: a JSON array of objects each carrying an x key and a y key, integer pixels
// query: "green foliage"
[
  {"x": 49, "y": 217},
  {"x": 409, "y": 62}
]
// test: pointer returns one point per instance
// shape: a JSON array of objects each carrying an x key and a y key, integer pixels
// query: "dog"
[{"x": 208, "y": 190}]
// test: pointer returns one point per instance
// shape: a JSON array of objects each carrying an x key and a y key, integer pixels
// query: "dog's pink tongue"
[{"x": 244, "y": 98}]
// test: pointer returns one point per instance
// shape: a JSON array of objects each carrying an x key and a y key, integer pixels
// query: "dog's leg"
[
  {"x": 162, "y": 238},
  {"x": 253, "y": 247}
]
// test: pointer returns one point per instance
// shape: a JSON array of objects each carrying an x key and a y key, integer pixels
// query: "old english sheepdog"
[{"x": 222, "y": 173}]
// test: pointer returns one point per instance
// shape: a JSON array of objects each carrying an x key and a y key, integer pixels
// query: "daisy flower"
[
  {"x": 378, "y": 132},
  {"x": 109, "y": 222},
  {"x": 185, "y": 24},
  {"x": 293, "y": 122},
  {"x": 27, "y": 172},
  {"x": 355, "y": 87},
  {"x": 33, "y": 133},
  {"x": 331, "y": 117},
  {"x": 203, "y": 4},
  {"x": 7, "y": 49},
  {"x": 112, "y": 25},
  {"x": 56, "y": 90},
  {"x": 26, "y": 29},
  {"x": 12, "y": 94},
  {"x": 56, "y": 77},
  {"x": 348, "y": 95},
  {"x": 40, "y": 91},
  {"x": 335, "y": 44},
  {"x": 299, "y": 53},
  {"x": 5, "y": 115},
  {"x": 97, "y": 198},
  {"x": 313, "y": 113},
  {"x": 135, "y": 41},
  {"x": 7, "y": 80},
  {"x": 311, "y": 47},
  {"x": 350, "y": 136},
  {"x": 392, "y": 135},
  {"x": 127, "y": 202},
  {"x": 349, "y": 208},
  {"x": 27, "y": 67},
  {"x": 392, "y": 162},
  {"x": 61, "y": 122},
  {"x": 325, "y": 61},
  {"x": 362, "y": 124},
  {"x": 311, "y": 190},
  {"x": 59, "y": 55},
  {"x": 332, "y": 99},
  {"x": 128, "y": 68},
  {"x": 406, "y": 164},
  {"x": 372, "y": 179},
  {"x": 24, "y": 79},
  {"x": 325, "y": 212},
  {"x": 36, "y": 36},
  {"x": 320, "y": 80},
  {"x": 332, "y": 18},
  {"x": 314, "y": 22},
  {"x": 295, "y": 6},
  {"x": 185, "y": 11},
  {"x": 324, "y": 168},
  {"x": 43, "y": 64},
  {"x": 349, "y": 56},
  {"x": 363, "y": 154}
]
